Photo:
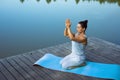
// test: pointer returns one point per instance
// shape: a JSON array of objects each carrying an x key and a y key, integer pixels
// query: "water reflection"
[
  {"x": 22, "y": 1},
  {"x": 77, "y": 1},
  {"x": 38, "y": 0},
  {"x": 25, "y": 28},
  {"x": 48, "y": 1}
]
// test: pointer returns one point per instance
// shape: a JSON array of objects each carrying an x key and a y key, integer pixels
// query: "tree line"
[{"x": 78, "y": 1}]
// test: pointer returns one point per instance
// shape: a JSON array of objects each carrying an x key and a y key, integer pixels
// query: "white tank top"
[{"x": 78, "y": 48}]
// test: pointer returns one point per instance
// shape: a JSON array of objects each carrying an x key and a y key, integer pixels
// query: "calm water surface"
[{"x": 27, "y": 25}]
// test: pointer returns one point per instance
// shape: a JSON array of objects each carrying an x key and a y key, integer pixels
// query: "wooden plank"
[
  {"x": 104, "y": 49},
  {"x": 26, "y": 68},
  {"x": 2, "y": 76},
  {"x": 104, "y": 42},
  {"x": 29, "y": 61},
  {"x": 12, "y": 70},
  {"x": 30, "y": 65},
  {"x": 47, "y": 72},
  {"x": 6, "y": 72},
  {"x": 20, "y": 69}
]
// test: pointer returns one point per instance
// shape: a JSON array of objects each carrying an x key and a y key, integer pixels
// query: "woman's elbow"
[
  {"x": 65, "y": 34},
  {"x": 71, "y": 38}
]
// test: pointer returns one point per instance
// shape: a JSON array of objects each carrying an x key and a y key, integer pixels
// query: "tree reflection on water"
[{"x": 78, "y": 1}]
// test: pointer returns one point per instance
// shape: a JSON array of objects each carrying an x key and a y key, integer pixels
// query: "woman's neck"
[{"x": 81, "y": 33}]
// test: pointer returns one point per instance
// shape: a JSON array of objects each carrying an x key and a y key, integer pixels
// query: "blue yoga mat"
[{"x": 100, "y": 70}]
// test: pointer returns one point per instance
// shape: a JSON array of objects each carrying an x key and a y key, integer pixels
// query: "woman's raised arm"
[
  {"x": 65, "y": 32},
  {"x": 67, "y": 29}
]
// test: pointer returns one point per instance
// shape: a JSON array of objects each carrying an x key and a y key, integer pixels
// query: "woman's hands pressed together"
[
  {"x": 67, "y": 31},
  {"x": 67, "y": 23}
]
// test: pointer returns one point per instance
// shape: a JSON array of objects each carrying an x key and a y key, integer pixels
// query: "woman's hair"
[{"x": 83, "y": 24}]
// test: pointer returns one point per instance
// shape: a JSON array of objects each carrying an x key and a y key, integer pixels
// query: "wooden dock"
[{"x": 20, "y": 67}]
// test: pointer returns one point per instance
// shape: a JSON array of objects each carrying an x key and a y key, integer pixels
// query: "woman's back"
[{"x": 77, "y": 48}]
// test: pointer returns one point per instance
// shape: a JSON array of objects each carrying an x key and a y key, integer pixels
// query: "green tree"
[
  {"x": 21, "y": 1},
  {"x": 77, "y": 1},
  {"x": 38, "y": 0},
  {"x": 101, "y": 1},
  {"x": 54, "y": 0},
  {"x": 48, "y": 1},
  {"x": 65, "y": 0}
]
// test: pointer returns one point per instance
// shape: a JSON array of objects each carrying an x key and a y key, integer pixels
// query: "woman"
[{"x": 79, "y": 41}]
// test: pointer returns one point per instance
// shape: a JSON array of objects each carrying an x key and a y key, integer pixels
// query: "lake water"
[{"x": 27, "y": 25}]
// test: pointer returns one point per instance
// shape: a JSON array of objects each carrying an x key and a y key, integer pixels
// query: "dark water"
[{"x": 27, "y": 25}]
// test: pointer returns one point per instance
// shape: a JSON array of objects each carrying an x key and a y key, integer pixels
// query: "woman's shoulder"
[{"x": 85, "y": 36}]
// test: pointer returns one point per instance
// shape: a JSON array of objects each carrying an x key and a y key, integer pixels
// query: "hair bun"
[{"x": 86, "y": 21}]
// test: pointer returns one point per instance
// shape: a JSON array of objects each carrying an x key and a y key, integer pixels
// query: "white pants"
[{"x": 72, "y": 60}]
